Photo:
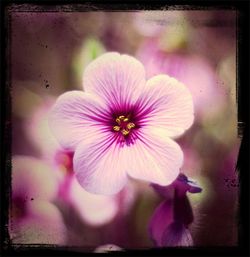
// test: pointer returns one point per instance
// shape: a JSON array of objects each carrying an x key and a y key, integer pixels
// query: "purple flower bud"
[{"x": 169, "y": 223}]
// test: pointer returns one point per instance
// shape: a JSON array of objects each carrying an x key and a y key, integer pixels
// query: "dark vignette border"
[{"x": 243, "y": 22}]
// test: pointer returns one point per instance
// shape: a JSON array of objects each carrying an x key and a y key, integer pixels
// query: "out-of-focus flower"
[
  {"x": 107, "y": 248},
  {"x": 121, "y": 125},
  {"x": 94, "y": 209},
  {"x": 33, "y": 216},
  {"x": 169, "y": 223},
  {"x": 195, "y": 72}
]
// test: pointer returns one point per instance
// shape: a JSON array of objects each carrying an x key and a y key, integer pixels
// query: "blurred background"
[{"x": 49, "y": 52}]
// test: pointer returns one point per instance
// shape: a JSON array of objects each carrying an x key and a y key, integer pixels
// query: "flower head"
[{"x": 122, "y": 124}]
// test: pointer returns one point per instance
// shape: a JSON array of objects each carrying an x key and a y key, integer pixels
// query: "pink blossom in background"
[
  {"x": 169, "y": 224},
  {"x": 95, "y": 210},
  {"x": 192, "y": 70},
  {"x": 122, "y": 124},
  {"x": 34, "y": 218}
]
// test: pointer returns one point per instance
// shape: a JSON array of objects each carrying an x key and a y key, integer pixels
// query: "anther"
[
  {"x": 116, "y": 128},
  {"x": 121, "y": 117},
  {"x": 118, "y": 121},
  {"x": 130, "y": 125},
  {"x": 125, "y": 132}
]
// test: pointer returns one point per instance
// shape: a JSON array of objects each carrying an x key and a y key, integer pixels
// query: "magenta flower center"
[{"x": 123, "y": 125}]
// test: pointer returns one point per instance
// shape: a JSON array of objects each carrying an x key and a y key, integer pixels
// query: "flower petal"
[
  {"x": 166, "y": 104},
  {"x": 118, "y": 79},
  {"x": 95, "y": 209},
  {"x": 162, "y": 217},
  {"x": 153, "y": 158},
  {"x": 100, "y": 165},
  {"x": 75, "y": 117},
  {"x": 183, "y": 212}
]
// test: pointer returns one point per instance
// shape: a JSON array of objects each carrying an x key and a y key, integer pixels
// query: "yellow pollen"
[
  {"x": 121, "y": 118},
  {"x": 130, "y": 125},
  {"x": 125, "y": 132},
  {"x": 116, "y": 128}
]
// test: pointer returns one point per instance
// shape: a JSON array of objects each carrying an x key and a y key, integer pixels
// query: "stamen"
[
  {"x": 130, "y": 125},
  {"x": 116, "y": 128},
  {"x": 125, "y": 132},
  {"x": 123, "y": 125},
  {"x": 118, "y": 121}
]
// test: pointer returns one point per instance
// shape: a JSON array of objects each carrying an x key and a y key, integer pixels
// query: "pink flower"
[
  {"x": 121, "y": 125},
  {"x": 34, "y": 218},
  {"x": 169, "y": 223},
  {"x": 96, "y": 210}
]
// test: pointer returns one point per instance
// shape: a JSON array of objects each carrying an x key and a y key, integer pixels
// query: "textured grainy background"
[{"x": 45, "y": 48}]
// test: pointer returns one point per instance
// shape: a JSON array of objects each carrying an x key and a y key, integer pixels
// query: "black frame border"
[{"x": 243, "y": 22}]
